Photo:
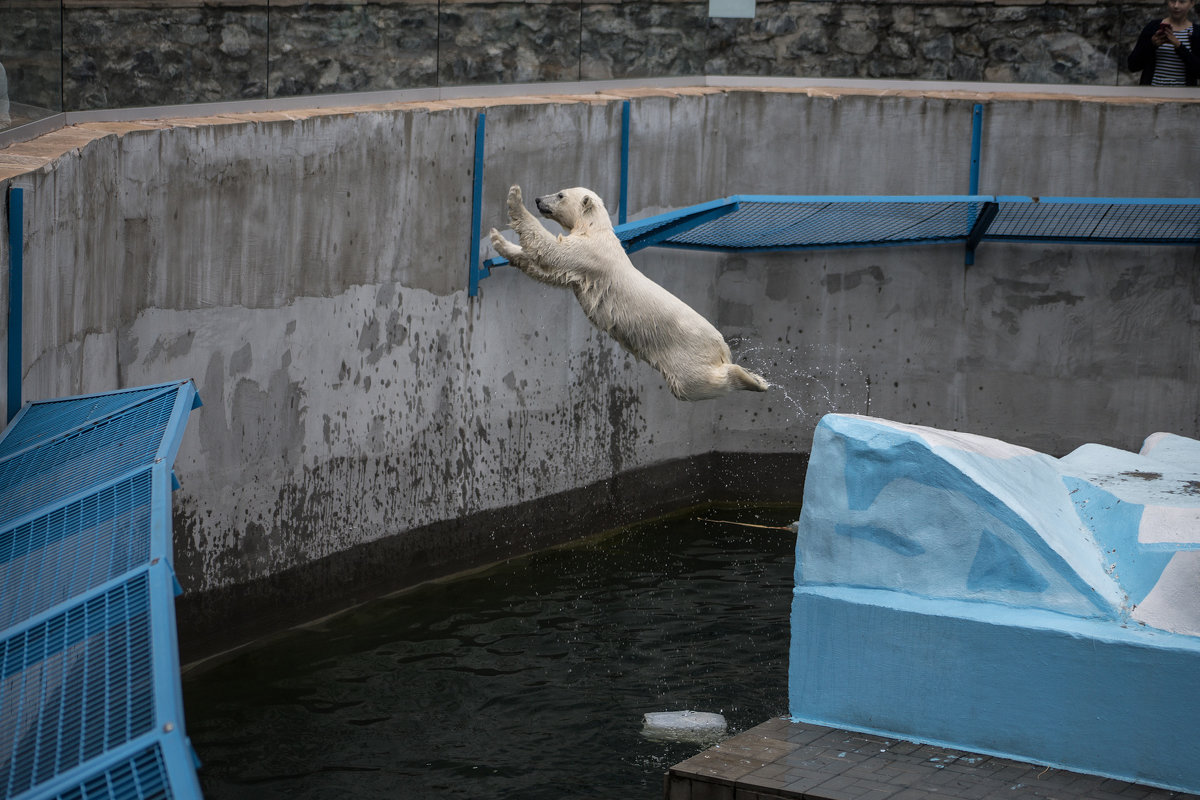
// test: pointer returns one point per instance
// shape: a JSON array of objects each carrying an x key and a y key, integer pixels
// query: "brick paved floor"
[{"x": 783, "y": 759}]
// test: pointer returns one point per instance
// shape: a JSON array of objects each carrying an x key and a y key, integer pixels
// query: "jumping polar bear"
[{"x": 646, "y": 319}]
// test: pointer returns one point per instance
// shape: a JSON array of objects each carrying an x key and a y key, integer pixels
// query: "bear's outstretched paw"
[
  {"x": 503, "y": 246},
  {"x": 516, "y": 203}
]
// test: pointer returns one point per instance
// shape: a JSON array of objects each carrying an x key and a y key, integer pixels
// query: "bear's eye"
[{"x": 560, "y": 195}]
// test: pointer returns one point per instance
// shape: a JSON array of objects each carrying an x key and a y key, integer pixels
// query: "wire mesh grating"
[
  {"x": 762, "y": 225},
  {"x": 141, "y": 777},
  {"x": 87, "y": 650},
  {"x": 1064, "y": 220},
  {"x": 50, "y": 418},
  {"x": 99, "y": 452},
  {"x": 748, "y": 223},
  {"x": 76, "y": 685},
  {"x": 801, "y": 222},
  {"x": 74, "y": 548}
]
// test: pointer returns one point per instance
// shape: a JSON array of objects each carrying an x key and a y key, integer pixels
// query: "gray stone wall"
[
  {"x": 151, "y": 52},
  {"x": 31, "y": 53}
]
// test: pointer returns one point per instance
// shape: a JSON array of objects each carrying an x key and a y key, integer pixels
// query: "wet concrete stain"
[
  {"x": 171, "y": 346},
  {"x": 241, "y": 360},
  {"x": 1026, "y": 302},
  {"x": 1126, "y": 284},
  {"x": 849, "y": 281},
  {"x": 1186, "y": 487},
  {"x": 1020, "y": 297},
  {"x": 384, "y": 462}
]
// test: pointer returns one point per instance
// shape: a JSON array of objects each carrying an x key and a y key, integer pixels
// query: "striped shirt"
[{"x": 1168, "y": 66}]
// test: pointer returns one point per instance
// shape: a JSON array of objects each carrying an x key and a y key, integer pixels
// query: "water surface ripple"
[{"x": 527, "y": 680}]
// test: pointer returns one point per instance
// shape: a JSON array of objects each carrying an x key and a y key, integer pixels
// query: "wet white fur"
[{"x": 646, "y": 319}]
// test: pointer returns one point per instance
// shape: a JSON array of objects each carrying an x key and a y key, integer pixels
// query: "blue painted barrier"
[
  {"x": 475, "y": 271},
  {"x": 16, "y": 302},
  {"x": 90, "y": 701},
  {"x": 965, "y": 592},
  {"x": 766, "y": 223},
  {"x": 623, "y": 212}
]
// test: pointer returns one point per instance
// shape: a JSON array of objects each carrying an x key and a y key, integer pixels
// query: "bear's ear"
[{"x": 587, "y": 202}]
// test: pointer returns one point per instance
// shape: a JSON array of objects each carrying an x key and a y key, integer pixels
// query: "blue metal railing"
[
  {"x": 16, "y": 272},
  {"x": 763, "y": 223},
  {"x": 90, "y": 702}
]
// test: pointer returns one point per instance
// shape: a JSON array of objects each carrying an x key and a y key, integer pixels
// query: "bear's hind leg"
[{"x": 741, "y": 378}]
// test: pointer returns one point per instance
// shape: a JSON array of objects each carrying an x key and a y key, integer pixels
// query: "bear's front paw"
[
  {"x": 515, "y": 202},
  {"x": 503, "y": 246}
]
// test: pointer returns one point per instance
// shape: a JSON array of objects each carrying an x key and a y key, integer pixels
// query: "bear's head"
[{"x": 572, "y": 207}]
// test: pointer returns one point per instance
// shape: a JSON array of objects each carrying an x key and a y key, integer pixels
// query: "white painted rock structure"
[{"x": 958, "y": 590}]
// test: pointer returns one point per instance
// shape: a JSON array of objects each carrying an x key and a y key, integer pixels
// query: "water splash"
[{"x": 813, "y": 380}]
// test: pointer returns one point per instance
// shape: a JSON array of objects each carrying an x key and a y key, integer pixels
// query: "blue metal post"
[
  {"x": 16, "y": 208},
  {"x": 476, "y": 269},
  {"x": 976, "y": 145},
  {"x": 623, "y": 215}
]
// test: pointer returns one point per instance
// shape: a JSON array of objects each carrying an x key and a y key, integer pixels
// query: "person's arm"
[
  {"x": 1143, "y": 52},
  {"x": 1191, "y": 58}
]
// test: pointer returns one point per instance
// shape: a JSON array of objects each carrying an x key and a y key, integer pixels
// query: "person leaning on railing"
[
  {"x": 5, "y": 119},
  {"x": 1168, "y": 50}
]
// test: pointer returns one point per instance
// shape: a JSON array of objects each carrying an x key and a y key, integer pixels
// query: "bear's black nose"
[{"x": 540, "y": 205}]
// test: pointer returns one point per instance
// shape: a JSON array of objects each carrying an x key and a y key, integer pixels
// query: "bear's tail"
[{"x": 740, "y": 378}]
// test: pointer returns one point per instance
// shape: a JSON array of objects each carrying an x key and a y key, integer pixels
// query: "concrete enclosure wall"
[{"x": 364, "y": 417}]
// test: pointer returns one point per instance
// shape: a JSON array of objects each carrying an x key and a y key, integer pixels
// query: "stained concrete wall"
[{"x": 366, "y": 423}]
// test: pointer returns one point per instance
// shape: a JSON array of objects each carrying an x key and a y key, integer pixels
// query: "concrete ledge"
[
  {"x": 213, "y": 621},
  {"x": 578, "y": 90}
]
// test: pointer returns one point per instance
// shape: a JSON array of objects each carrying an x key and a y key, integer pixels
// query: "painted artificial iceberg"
[{"x": 962, "y": 591}]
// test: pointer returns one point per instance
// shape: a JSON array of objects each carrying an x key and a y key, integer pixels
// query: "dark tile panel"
[{"x": 782, "y": 759}]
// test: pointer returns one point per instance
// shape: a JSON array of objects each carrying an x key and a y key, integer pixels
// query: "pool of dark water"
[{"x": 525, "y": 680}]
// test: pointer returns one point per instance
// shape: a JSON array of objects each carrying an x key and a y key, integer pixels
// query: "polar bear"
[{"x": 646, "y": 319}]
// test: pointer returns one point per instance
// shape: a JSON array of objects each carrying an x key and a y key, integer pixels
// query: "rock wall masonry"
[{"x": 166, "y": 52}]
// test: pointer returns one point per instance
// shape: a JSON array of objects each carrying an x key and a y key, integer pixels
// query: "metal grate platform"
[
  {"x": 90, "y": 704},
  {"x": 1084, "y": 220},
  {"x": 762, "y": 223}
]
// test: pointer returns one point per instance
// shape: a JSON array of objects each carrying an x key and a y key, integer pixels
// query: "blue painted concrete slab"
[{"x": 963, "y": 591}]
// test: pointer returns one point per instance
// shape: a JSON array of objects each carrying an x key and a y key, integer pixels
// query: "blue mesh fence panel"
[
  {"x": 74, "y": 548},
  {"x": 75, "y": 685},
  {"x": 792, "y": 223},
  {"x": 87, "y": 661},
  {"x": 761, "y": 225},
  {"x": 50, "y": 418},
  {"x": 142, "y": 777},
  {"x": 1097, "y": 221},
  {"x": 96, "y": 453},
  {"x": 780, "y": 222},
  {"x": 635, "y": 228}
]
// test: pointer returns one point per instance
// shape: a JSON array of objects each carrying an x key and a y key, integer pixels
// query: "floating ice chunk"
[{"x": 683, "y": 726}]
